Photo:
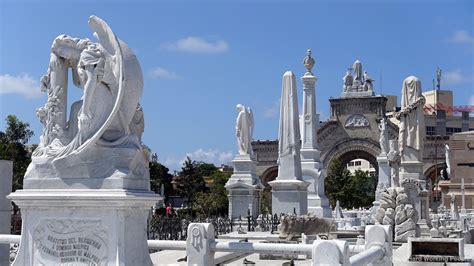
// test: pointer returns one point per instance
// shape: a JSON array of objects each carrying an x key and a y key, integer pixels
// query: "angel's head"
[{"x": 68, "y": 47}]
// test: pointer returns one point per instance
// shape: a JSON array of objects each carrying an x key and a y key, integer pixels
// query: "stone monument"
[
  {"x": 410, "y": 146},
  {"x": 384, "y": 167},
  {"x": 357, "y": 85},
  {"x": 6, "y": 175},
  {"x": 311, "y": 165},
  {"x": 244, "y": 185},
  {"x": 289, "y": 191},
  {"x": 86, "y": 195}
]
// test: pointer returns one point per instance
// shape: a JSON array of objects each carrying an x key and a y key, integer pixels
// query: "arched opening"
[
  {"x": 353, "y": 154},
  {"x": 433, "y": 176},
  {"x": 269, "y": 175}
]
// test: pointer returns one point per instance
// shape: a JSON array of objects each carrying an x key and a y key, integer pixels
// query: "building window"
[
  {"x": 452, "y": 130},
  {"x": 350, "y": 164},
  {"x": 358, "y": 163},
  {"x": 430, "y": 131}
]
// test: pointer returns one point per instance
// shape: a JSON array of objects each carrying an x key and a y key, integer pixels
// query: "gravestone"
[{"x": 86, "y": 195}]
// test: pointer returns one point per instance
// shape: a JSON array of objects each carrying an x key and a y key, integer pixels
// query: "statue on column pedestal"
[{"x": 244, "y": 129}]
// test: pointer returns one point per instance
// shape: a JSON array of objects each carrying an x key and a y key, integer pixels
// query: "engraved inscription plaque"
[{"x": 70, "y": 242}]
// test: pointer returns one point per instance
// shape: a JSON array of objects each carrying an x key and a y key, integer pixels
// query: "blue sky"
[{"x": 200, "y": 59}]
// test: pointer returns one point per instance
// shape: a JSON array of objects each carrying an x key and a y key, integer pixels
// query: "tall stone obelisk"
[
  {"x": 311, "y": 166},
  {"x": 289, "y": 191}
]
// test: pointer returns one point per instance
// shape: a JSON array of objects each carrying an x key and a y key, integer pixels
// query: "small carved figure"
[
  {"x": 347, "y": 81},
  {"x": 308, "y": 62},
  {"x": 448, "y": 163},
  {"x": 383, "y": 140},
  {"x": 368, "y": 82}
]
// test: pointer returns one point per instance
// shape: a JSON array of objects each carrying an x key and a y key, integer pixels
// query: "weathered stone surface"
[{"x": 293, "y": 226}]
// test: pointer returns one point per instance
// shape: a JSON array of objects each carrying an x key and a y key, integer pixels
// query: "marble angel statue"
[
  {"x": 244, "y": 129},
  {"x": 102, "y": 137}
]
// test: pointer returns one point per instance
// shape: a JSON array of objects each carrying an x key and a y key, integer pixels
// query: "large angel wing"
[{"x": 110, "y": 43}]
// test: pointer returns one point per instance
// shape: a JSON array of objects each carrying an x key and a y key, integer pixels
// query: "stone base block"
[
  {"x": 289, "y": 196},
  {"x": 319, "y": 206},
  {"x": 243, "y": 198},
  {"x": 84, "y": 227}
]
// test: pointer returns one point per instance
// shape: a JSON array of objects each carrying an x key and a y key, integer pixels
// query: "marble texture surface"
[{"x": 289, "y": 192}]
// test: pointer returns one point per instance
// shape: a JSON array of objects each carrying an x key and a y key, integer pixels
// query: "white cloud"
[
  {"x": 455, "y": 77},
  {"x": 273, "y": 110},
  {"x": 161, "y": 73},
  {"x": 197, "y": 45},
  {"x": 214, "y": 156},
  {"x": 471, "y": 100},
  {"x": 462, "y": 36},
  {"x": 22, "y": 84}
]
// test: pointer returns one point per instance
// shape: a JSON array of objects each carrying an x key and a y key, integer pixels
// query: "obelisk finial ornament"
[{"x": 308, "y": 62}]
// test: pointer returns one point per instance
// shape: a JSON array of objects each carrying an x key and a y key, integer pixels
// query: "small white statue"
[
  {"x": 393, "y": 157},
  {"x": 368, "y": 82},
  {"x": 358, "y": 72},
  {"x": 347, "y": 81},
  {"x": 383, "y": 140},
  {"x": 244, "y": 129},
  {"x": 448, "y": 162},
  {"x": 308, "y": 62}
]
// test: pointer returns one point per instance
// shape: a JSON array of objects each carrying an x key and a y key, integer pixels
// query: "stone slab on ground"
[
  {"x": 400, "y": 257},
  {"x": 263, "y": 236}
]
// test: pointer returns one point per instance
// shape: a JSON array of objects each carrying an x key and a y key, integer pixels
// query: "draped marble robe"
[{"x": 412, "y": 124}]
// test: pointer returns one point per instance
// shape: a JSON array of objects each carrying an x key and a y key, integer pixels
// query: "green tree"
[
  {"x": 215, "y": 201},
  {"x": 160, "y": 176},
  {"x": 362, "y": 189},
  {"x": 352, "y": 191},
  {"x": 13, "y": 147},
  {"x": 338, "y": 176},
  {"x": 205, "y": 169},
  {"x": 190, "y": 182}
]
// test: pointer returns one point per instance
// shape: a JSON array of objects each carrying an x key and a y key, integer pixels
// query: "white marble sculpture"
[
  {"x": 383, "y": 140},
  {"x": 358, "y": 77},
  {"x": 368, "y": 82},
  {"x": 86, "y": 193},
  {"x": 358, "y": 84},
  {"x": 412, "y": 122},
  {"x": 348, "y": 79},
  {"x": 244, "y": 129},
  {"x": 308, "y": 62},
  {"x": 393, "y": 157},
  {"x": 105, "y": 126},
  {"x": 447, "y": 159}
]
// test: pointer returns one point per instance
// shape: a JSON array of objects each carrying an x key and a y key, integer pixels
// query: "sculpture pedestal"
[
  {"x": 84, "y": 226},
  {"x": 411, "y": 175},
  {"x": 244, "y": 187},
  {"x": 289, "y": 196},
  {"x": 384, "y": 176},
  {"x": 313, "y": 173}
]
